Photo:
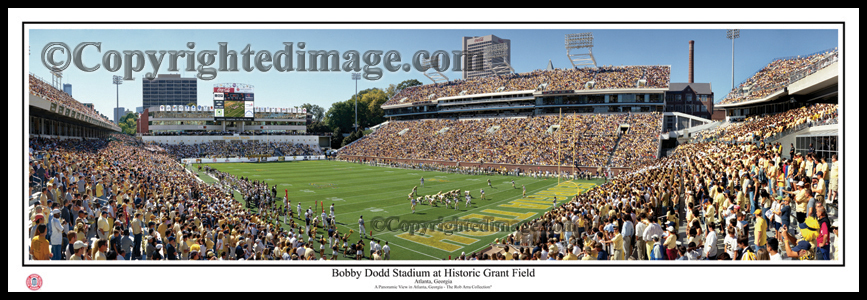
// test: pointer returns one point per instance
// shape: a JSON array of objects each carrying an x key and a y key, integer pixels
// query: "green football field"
[{"x": 380, "y": 195}]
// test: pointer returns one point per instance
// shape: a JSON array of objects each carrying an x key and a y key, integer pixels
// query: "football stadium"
[{"x": 588, "y": 162}]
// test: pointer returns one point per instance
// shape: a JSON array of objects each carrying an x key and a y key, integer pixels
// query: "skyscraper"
[
  {"x": 118, "y": 113},
  {"x": 474, "y": 60},
  {"x": 169, "y": 89},
  {"x": 67, "y": 88}
]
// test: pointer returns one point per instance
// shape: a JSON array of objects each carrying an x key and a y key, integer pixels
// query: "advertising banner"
[{"x": 248, "y": 109}]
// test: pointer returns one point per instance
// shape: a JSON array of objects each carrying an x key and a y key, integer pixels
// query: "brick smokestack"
[{"x": 691, "y": 52}]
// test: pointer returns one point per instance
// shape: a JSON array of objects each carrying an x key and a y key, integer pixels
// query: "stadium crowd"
[
  {"x": 763, "y": 127},
  {"x": 638, "y": 146},
  {"x": 181, "y": 150},
  {"x": 584, "y": 140},
  {"x": 288, "y": 149},
  {"x": 115, "y": 201},
  {"x": 112, "y": 200},
  {"x": 579, "y": 173},
  {"x": 231, "y": 149},
  {"x": 610, "y": 77},
  {"x": 708, "y": 201},
  {"x": 778, "y": 74},
  {"x": 42, "y": 89},
  {"x": 230, "y": 133}
]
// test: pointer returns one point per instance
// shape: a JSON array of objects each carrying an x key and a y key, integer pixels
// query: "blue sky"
[{"x": 531, "y": 49}]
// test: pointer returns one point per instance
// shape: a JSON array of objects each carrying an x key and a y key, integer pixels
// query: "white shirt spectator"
[
  {"x": 710, "y": 248},
  {"x": 57, "y": 232},
  {"x": 652, "y": 229}
]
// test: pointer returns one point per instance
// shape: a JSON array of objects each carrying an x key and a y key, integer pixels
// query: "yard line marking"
[
  {"x": 420, "y": 208},
  {"x": 437, "y": 239},
  {"x": 463, "y": 212},
  {"x": 428, "y": 255},
  {"x": 396, "y": 244}
]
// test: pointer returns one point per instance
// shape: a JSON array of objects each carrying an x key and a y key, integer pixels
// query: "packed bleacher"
[
  {"x": 584, "y": 140},
  {"x": 288, "y": 149},
  {"x": 46, "y": 91},
  {"x": 231, "y": 133},
  {"x": 241, "y": 149},
  {"x": 707, "y": 201},
  {"x": 612, "y": 77},
  {"x": 779, "y": 74},
  {"x": 181, "y": 150},
  {"x": 638, "y": 146},
  {"x": 763, "y": 127},
  {"x": 229, "y": 149},
  {"x": 98, "y": 200}
]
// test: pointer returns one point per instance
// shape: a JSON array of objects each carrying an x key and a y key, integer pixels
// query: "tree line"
[{"x": 340, "y": 117}]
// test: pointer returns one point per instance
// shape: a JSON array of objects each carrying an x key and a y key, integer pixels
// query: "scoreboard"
[{"x": 233, "y": 102}]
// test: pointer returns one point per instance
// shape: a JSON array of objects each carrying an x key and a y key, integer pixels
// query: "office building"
[
  {"x": 474, "y": 61},
  {"x": 169, "y": 89},
  {"x": 118, "y": 113}
]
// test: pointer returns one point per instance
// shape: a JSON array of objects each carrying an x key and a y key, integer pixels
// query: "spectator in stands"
[
  {"x": 778, "y": 74},
  {"x": 557, "y": 79}
]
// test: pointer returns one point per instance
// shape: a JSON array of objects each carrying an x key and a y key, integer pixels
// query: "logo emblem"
[{"x": 34, "y": 282}]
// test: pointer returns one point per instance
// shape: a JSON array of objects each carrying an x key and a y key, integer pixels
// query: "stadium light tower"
[
  {"x": 431, "y": 65},
  {"x": 117, "y": 81},
  {"x": 356, "y": 77},
  {"x": 576, "y": 42},
  {"x": 495, "y": 59},
  {"x": 57, "y": 79},
  {"x": 732, "y": 34}
]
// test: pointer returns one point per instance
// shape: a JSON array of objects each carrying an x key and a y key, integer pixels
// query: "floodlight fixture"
[
  {"x": 57, "y": 78},
  {"x": 117, "y": 81},
  {"x": 432, "y": 72},
  {"x": 733, "y": 34},
  {"x": 495, "y": 59},
  {"x": 356, "y": 77},
  {"x": 576, "y": 42}
]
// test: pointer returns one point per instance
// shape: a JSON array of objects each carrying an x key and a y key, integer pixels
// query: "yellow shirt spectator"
[
  {"x": 104, "y": 224},
  {"x": 618, "y": 242},
  {"x": 761, "y": 231},
  {"x": 670, "y": 242},
  {"x": 39, "y": 248},
  {"x": 801, "y": 200},
  {"x": 710, "y": 214}
]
